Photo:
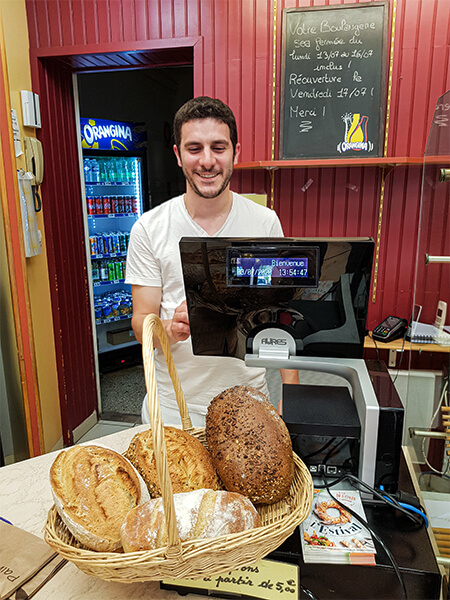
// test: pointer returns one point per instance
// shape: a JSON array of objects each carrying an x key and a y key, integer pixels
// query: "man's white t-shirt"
[{"x": 154, "y": 260}]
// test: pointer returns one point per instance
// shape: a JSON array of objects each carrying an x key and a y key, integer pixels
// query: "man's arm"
[
  {"x": 287, "y": 376},
  {"x": 146, "y": 301}
]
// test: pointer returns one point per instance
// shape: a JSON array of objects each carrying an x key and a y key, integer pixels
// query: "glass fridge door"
[
  {"x": 114, "y": 202},
  {"x": 427, "y": 432}
]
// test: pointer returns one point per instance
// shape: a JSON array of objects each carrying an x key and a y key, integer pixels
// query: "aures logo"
[{"x": 273, "y": 341}]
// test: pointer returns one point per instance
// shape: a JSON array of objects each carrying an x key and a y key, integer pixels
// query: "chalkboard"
[{"x": 333, "y": 81}]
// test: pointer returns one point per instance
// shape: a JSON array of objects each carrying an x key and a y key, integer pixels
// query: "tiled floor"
[{"x": 105, "y": 428}]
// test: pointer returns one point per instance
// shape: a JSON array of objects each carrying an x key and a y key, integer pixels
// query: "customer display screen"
[{"x": 272, "y": 266}]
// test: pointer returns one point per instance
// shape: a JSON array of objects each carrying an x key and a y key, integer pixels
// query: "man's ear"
[
  {"x": 237, "y": 151},
  {"x": 175, "y": 149}
]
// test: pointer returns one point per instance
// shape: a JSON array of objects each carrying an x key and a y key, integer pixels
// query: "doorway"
[{"x": 150, "y": 96}]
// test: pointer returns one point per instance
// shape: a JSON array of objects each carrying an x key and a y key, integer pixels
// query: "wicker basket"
[{"x": 196, "y": 558}]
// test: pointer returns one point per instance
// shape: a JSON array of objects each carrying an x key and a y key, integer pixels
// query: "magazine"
[{"x": 330, "y": 534}]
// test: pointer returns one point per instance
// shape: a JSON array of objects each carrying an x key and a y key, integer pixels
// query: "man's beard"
[{"x": 213, "y": 193}]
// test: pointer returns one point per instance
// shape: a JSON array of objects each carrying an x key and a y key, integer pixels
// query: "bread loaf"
[
  {"x": 250, "y": 445},
  {"x": 190, "y": 465},
  {"x": 200, "y": 514},
  {"x": 93, "y": 489}
]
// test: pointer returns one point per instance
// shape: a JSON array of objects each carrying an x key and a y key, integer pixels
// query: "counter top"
[{"x": 25, "y": 499}]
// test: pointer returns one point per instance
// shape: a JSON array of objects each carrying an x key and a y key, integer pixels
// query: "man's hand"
[{"x": 178, "y": 328}]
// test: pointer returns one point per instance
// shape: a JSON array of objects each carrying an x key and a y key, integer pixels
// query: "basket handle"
[{"x": 152, "y": 325}]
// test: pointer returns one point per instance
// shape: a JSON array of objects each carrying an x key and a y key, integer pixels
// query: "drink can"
[
  {"x": 115, "y": 242},
  {"x": 108, "y": 242},
  {"x": 106, "y": 205},
  {"x": 99, "y": 244},
  {"x": 135, "y": 204},
  {"x": 122, "y": 241},
  {"x": 111, "y": 271},
  {"x": 90, "y": 205},
  {"x": 114, "y": 204},
  {"x": 98, "y": 205},
  {"x": 93, "y": 244},
  {"x": 121, "y": 203},
  {"x": 118, "y": 269}
]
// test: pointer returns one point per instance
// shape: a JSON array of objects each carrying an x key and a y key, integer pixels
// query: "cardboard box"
[{"x": 120, "y": 336}]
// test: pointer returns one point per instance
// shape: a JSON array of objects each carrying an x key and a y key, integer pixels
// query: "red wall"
[
  {"x": 236, "y": 65},
  {"x": 233, "y": 60}
]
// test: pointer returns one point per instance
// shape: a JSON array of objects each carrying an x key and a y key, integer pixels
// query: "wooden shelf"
[
  {"x": 323, "y": 163},
  {"x": 407, "y": 346}
]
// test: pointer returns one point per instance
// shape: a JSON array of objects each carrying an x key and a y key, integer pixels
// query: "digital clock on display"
[{"x": 271, "y": 267}]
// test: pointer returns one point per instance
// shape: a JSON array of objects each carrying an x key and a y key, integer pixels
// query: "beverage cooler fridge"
[{"x": 114, "y": 167}]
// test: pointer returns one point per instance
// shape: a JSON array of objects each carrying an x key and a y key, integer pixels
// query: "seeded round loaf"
[
  {"x": 250, "y": 445},
  {"x": 199, "y": 514},
  {"x": 190, "y": 465},
  {"x": 93, "y": 489}
]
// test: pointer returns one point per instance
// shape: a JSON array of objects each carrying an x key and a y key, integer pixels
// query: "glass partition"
[{"x": 427, "y": 416}]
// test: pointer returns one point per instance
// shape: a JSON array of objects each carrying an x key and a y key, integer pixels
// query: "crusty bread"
[
  {"x": 93, "y": 489},
  {"x": 250, "y": 445},
  {"x": 200, "y": 514},
  {"x": 190, "y": 465}
]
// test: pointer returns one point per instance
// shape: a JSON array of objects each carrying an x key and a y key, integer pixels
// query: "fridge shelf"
[
  {"x": 112, "y": 215},
  {"x": 92, "y": 184},
  {"x": 112, "y": 255},
  {"x": 109, "y": 282},
  {"x": 112, "y": 319}
]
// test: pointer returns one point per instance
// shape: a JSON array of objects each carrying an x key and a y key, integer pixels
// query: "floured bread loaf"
[
  {"x": 190, "y": 465},
  {"x": 94, "y": 488},
  {"x": 199, "y": 514},
  {"x": 250, "y": 445}
]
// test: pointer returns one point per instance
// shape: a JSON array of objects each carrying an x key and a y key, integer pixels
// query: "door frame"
[{"x": 52, "y": 72}]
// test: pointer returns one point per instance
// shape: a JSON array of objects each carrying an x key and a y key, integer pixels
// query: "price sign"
[
  {"x": 264, "y": 580},
  {"x": 333, "y": 81}
]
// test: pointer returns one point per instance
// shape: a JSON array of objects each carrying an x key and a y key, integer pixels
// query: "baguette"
[
  {"x": 93, "y": 489},
  {"x": 190, "y": 465},
  {"x": 200, "y": 514}
]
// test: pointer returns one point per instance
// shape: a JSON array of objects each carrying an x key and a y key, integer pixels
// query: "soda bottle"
[
  {"x": 111, "y": 172},
  {"x": 131, "y": 168},
  {"x": 103, "y": 271},
  {"x": 87, "y": 170},
  {"x": 120, "y": 170},
  {"x": 95, "y": 171},
  {"x": 103, "y": 172},
  {"x": 95, "y": 271},
  {"x": 126, "y": 170}
]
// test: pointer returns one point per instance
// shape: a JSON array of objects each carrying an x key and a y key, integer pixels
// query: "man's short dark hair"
[{"x": 204, "y": 107}]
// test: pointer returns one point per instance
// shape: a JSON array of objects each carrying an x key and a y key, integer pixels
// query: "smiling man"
[{"x": 207, "y": 148}]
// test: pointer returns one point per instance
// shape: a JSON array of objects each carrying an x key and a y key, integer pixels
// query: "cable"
[
  {"x": 401, "y": 357},
  {"x": 384, "y": 497},
  {"x": 375, "y": 535},
  {"x": 308, "y": 592},
  {"x": 376, "y": 345}
]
